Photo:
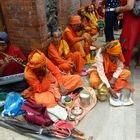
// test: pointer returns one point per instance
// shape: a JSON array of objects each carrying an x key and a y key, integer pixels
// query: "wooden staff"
[{"x": 14, "y": 59}]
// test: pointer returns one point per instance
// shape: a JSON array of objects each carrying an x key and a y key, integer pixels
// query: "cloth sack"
[{"x": 36, "y": 114}]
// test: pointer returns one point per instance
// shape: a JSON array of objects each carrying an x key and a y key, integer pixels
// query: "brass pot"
[{"x": 102, "y": 92}]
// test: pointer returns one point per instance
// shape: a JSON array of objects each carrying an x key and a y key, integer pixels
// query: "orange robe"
[
  {"x": 62, "y": 56},
  {"x": 109, "y": 69},
  {"x": 89, "y": 28},
  {"x": 46, "y": 91},
  {"x": 75, "y": 42}
]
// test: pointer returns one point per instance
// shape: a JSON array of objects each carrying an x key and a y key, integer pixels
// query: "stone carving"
[{"x": 51, "y": 14}]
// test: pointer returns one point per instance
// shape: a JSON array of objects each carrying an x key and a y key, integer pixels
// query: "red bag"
[
  {"x": 63, "y": 124},
  {"x": 36, "y": 114}
]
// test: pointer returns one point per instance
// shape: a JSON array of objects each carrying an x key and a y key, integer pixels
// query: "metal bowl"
[{"x": 77, "y": 110}]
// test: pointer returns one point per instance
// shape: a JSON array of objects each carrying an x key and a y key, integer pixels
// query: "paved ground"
[{"x": 104, "y": 122}]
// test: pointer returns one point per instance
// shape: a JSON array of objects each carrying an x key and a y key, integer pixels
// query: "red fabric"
[
  {"x": 13, "y": 67},
  {"x": 130, "y": 33}
]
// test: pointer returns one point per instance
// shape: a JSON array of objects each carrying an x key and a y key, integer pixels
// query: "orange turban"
[
  {"x": 75, "y": 20},
  {"x": 36, "y": 59},
  {"x": 116, "y": 50}
]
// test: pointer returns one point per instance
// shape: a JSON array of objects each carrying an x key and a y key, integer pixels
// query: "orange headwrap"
[
  {"x": 75, "y": 20},
  {"x": 116, "y": 50},
  {"x": 36, "y": 59}
]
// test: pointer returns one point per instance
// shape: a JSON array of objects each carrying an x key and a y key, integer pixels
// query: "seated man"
[
  {"x": 76, "y": 42},
  {"x": 60, "y": 55},
  {"x": 88, "y": 27},
  {"x": 47, "y": 84},
  {"x": 90, "y": 14},
  {"x": 11, "y": 59},
  {"x": 109, "y": 69}
]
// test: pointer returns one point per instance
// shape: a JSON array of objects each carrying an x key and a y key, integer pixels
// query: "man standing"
[{"x": 110, "y": 18}]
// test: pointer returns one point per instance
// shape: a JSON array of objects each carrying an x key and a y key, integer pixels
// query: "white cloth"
[
  {"x": 98, "y": 65},
  {"x": 57, "y": 113},
  {"x": 119, "y": 102}
]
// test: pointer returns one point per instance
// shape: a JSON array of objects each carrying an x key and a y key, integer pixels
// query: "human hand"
[
  {"x": 113, "y": 93},
  {"x": 63, "y": 90},
  {"x": 1, "y": 61},
  {"x": 120, "y": 16},
  {"x": 117, "y": 10},
  {"x": 85, "y": 38},
  {"x": 72, "y": 64},
  {"x": 112, "y": 81},
  {"x": 7, "y": 60}
]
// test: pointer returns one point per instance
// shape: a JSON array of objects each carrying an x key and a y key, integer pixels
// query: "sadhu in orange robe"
[
  {"x": 62, "y": 57},
  {"x": 104, "y": 69},
  {"x": 92, "y": 30},
  {"x": 46, "y": 91},
  {"x": 75, "y": 42}
]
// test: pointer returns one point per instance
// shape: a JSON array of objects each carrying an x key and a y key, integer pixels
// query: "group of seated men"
[{"x": 48, "y": 78}]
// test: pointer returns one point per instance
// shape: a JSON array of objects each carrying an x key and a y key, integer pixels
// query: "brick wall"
[
  {"x": 85, "y": 2},
  {"x": 67, "y": 8},
  {"x": 25, "y": 22}
]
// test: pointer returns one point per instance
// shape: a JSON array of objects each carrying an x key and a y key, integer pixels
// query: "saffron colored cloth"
[
  {"x": 46, "y": 91},
  {"x": 116, "y": 50},
  {"x": 62, "y": 57},
  {"x": 130, "y": 34},
  {"x": 103, "y": 70},
  {"x": 89, "y": 27},
  {"x": 13, "y": 67},
  {"x": 75, "y": 43}
]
